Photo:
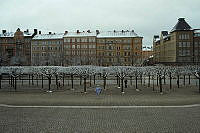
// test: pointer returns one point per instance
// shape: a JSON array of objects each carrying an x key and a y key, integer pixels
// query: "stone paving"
[
  {"x": 118, "y": 120},
  {"x": 110, "y": 96},
  {"x": 59, "y": 120}
]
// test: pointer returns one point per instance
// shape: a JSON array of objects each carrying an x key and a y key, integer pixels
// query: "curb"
[{"x": 99, "y": 107}]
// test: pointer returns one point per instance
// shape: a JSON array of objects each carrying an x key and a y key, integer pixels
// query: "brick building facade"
[{"x": 15, "y": 47}]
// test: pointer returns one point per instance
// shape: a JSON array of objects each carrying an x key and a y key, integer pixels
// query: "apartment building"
[
  {"x": 70, "y": 48},
  {"x": 80, "y": 48},
  {"x": 147, "y": 52},
  {"x": 177, "y": 46},
  {"x": 119, "y": 48},
  {"x": 47, "y": 49},
  {"x": 15, "y": 47}
]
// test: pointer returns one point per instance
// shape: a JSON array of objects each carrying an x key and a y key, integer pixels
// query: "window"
[
  {"x": 188, "y": 44},
  {"x": 188, "y": 52},
  {"x": 180, "y": 53},
  {"x": 196, "y": 44},
  {"x": 136, "y": 41},
  {"x": 180, "y": 44},
  {"x": 196, "y": 52},
  {"x": 73, "y": 39},
  {"x": 184, "y": 44}
]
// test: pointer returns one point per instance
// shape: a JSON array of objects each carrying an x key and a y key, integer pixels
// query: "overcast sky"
[{"x": 146, "y": 17}]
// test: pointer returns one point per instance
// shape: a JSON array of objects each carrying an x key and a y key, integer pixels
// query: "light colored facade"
[
  {"x": 197, "y": 46},
  {"x": 177, "y": 46},
  {"x": 119, "y": 48},
  {"x": 47, "y": 49},
  {"x": 147, "y": 52}
]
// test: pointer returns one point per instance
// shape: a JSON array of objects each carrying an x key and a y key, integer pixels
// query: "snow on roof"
[
  {"x": 11, "y": 34},
  {"x": 80, "y": 34},
  {"x": 147, "y": 48},
  {"x": 28, "y": 34},
  {"x": 7, "y": 34},
  {"x": 48, "y": 36},
  {"x": 114, "y": 34},
  {"x": 157, "y": 39}
]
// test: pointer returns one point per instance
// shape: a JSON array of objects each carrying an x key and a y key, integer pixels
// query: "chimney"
[
  {"x": 66, "y": 32},
  {"x": 77, "y": 31},
  {"x": 164, "y": 33},
  {"x": 181, "y": 19},
  {"x": 27, "y": 31},
  {"x": 3, "y": 31},
  {"x": 156, "y": 36},
  {"x": 50, "y": 33},
  {"x": 40, "y": 32},
  {"x": 97, "y": 31},
  {"x": 89, "y": 31},
  {"x": 35, "y": 31}
]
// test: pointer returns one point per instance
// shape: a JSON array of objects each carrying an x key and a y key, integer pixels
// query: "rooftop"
[
  {"x": 80, "y": 34},
  {"x": 181, "y": 25},
  {"x": 48, "y": 36},
  {"x": 147, "y": 48},
  {"x": 115, "y": 34},
  {"x": 11, "y": 34}
]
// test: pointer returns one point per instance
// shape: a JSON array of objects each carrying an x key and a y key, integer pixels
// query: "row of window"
[
  {"x": 184, "y": 44},
  {"x": 78, "y": 52},
  {"x": 184, "y": 52},
  {"x": 46, "y": 48},
  {"x": 79, "y": 46},
  {"x": 52, "y": 54},
  {"x": 28, "y": 40},
  {"x": 197, "y": 52},
  {"x": 86, "y": 39},
  {"x": 184, "y": 36},
  {"x": 197, "y": 44},
  {"x": 184, "y": 59},
  {"x": 46, "y": 42},
  {"x": 117, "y": 54},
  {"x": 118, "y": 48},
  {"x": 114, "y": 60}
]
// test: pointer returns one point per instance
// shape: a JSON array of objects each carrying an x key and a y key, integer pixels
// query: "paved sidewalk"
[{"x": 110, "y": 97}]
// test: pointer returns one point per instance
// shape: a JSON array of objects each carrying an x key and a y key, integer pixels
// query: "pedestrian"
[
  {"x": 125, "y": 82},
  {"x": 59, "y": 83}
]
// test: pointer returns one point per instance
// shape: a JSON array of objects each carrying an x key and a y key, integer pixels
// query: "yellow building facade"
[{"x": 176, "y": 46}]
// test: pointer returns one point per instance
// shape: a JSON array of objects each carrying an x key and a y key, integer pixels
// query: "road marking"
[{"x": 99, "y": 107}]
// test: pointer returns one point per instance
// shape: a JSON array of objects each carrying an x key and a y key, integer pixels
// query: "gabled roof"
[{"x": 181, "y": 25}]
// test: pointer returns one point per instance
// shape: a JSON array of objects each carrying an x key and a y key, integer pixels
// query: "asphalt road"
[{"x": 117, "y": 120}]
